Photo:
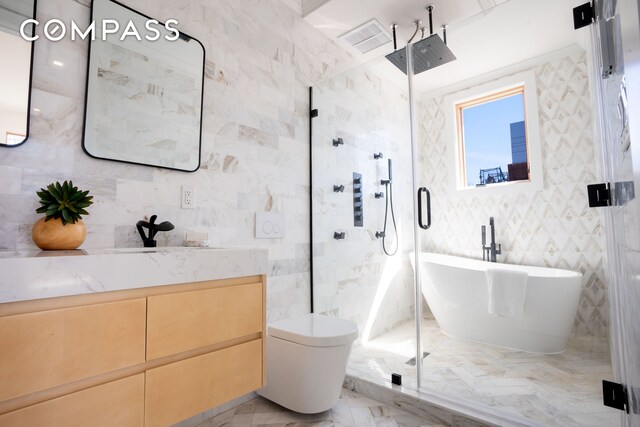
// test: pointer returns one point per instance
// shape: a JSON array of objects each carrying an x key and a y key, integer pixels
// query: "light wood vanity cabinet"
[
  {"x": 187, "y": 320},
  {"x": 46, "y": 349},
  {"x": 149, "y": 356},
  {"x": 181, "y": 389},
  {"x": 117, "y": 403}
]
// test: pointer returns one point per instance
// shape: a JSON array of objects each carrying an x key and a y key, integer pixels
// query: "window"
[{"x": 494, "y": 136}]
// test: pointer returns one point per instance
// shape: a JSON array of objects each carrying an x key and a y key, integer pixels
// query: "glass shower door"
[{"x": 362, "y": 217}]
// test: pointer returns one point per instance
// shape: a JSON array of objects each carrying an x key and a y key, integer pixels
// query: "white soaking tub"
[{"x": 457, "y": 293}]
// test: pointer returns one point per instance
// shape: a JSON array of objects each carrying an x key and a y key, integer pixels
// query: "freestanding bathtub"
[{"x": 457, "y": 293}]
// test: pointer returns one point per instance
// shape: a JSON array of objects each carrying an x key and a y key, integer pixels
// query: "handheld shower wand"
[{"x": 388, "y": 206}]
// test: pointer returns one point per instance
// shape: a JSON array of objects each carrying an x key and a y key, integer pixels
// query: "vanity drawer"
[
  {"x": 50, "y": 348},
  {"x": 189, "y": 320},
  {"x": 180, "y": 390},
  {"x": 118, "y": 403}
]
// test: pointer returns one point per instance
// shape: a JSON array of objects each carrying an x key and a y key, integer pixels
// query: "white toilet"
[{"x": 306, "y": 361}]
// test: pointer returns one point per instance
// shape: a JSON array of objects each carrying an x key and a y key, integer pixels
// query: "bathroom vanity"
[{"x": 128, "y": 337}]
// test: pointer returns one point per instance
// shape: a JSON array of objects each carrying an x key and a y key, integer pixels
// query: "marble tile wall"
[
  {"x": 353, "y": 278},
  {"x": 554, "y": 227},
  {"x": 260, "y": 60}
]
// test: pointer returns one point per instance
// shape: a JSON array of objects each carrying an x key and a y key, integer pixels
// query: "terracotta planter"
[{"x": 52, "y": 235}]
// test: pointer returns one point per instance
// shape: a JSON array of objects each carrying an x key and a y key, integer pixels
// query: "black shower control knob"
[
  {"x": 379, "y": 195},
  {"x": 337, "y": 142}
]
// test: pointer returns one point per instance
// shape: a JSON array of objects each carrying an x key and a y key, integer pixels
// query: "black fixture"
[
  {"x": 489, "y": 252},
  {"x": 388, "y": 207},
  {"x": 358, "y": 205},
  {"x": 396, "y": 379},
  {"x": 337, "y": 142},
  {"x": 313, "y": 113},
  {"x": 377, "y": 156},
  {"x": 149, "y": 241},
  {"x": 379, "y": 195},
  {"x": 395, "y": 39},
  {"x": 338, "y": 188},
  {"x": 614, "y": 395},
  {"x": 583, "y": 15},
  {"x": 599, "y": 195},
  {"x": 421, "y": 224},
  {"x": 339, "y": 236},
  {"x": 607, "y": 194}
]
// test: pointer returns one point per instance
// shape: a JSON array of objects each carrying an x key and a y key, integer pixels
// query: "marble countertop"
[{"x": 27, "y": 275}]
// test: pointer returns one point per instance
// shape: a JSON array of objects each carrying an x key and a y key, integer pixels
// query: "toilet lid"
[{"x": 315, "y": 330}]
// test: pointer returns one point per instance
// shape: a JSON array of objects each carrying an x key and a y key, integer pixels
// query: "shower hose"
[{"x": 389, "y": 203}]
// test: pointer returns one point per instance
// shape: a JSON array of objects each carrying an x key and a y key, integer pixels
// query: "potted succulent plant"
[{"x": 62, "y": 227}]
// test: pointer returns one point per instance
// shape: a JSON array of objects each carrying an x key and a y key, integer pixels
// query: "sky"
[{"x": 487, "y": 135}]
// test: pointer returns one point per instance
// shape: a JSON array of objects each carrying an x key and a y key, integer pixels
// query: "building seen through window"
[{"x": 492, "y": 138}]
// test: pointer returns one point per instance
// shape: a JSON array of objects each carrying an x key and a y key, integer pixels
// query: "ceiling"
[{"x": 485, "y": 35}]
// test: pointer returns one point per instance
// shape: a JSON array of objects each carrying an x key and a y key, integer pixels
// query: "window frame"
[{"x": 480, "y": 94}]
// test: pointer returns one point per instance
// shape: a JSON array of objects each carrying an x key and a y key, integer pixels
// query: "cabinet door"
[
  {"x": 183, "y": 389},
  {"x": 188, "y": 320},
  {"x": 118, "y": 404},
  {"x": 50, "y": 348}
]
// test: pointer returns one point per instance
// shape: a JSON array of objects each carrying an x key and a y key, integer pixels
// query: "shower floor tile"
[
  {"x": 351, "y": 410},
  {"x": 555, "y": 390}
]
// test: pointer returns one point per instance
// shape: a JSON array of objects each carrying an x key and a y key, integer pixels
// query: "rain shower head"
[{"x": 427, "y": 54}]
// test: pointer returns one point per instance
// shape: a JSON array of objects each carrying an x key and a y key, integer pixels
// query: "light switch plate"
[{"x": 269, "y": 225}]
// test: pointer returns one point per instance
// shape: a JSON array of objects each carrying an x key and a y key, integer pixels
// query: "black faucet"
[
  {"x": 149, "y": 242},
  {"x": 489, "y": 252}
]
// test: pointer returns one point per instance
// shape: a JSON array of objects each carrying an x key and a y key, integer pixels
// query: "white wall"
[
  {"x": 353, "y": 278},
  {"x": 261, "y": 59},
  {"x": 553, "y": 227}
]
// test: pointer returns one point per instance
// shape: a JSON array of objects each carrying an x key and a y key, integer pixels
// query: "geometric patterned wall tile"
[{"x": 554, "y": 227}]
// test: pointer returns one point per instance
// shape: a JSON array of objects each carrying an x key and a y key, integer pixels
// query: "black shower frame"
[{"x": 312, "y": 114}]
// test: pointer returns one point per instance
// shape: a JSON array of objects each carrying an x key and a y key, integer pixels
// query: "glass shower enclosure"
[{"x": 382, "y": 203}]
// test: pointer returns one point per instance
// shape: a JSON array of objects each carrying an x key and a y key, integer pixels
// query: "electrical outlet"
[{"x": 188, "y": 197}]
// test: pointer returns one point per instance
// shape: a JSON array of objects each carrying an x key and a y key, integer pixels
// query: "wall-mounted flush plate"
[
  {"x": 269, "y": 225},
  {"x": 188, "y": 197}
]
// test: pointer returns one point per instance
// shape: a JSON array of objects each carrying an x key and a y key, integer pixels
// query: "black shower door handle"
[{"x": 420, "y": 222}]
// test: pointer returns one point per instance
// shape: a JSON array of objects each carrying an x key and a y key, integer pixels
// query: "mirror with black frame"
[
  {"x": 144, "y": 90},
  {"x": 15, "y": 72}
]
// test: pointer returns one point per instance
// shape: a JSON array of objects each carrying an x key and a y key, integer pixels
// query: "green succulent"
[{"x": 63, "y": 201}]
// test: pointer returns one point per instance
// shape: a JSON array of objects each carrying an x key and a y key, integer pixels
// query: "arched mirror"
[{"x": 15, "y": 72}]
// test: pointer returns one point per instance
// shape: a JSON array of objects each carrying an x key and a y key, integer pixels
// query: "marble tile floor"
[
  {"x": 351, "y": 410},
  {"x": 551, "y": 390}
]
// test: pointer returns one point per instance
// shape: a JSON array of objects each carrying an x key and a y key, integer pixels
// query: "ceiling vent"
[{"x": 367, "y": 37}]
